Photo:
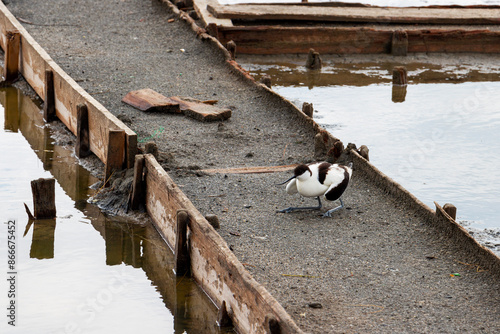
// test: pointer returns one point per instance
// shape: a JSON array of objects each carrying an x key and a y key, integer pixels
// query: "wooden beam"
[
  {"x": 356, "y": 40},
  {"x": 11, "y": 66},
  {"x": 392, "y": 15}
]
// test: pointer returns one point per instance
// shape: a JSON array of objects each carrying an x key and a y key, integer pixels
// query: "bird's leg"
[
  {"x": 291, "y": 209},
  {"x": 329, "y": 212}
]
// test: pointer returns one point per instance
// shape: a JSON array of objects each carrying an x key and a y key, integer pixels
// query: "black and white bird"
[{"x": 317, "y": 179}]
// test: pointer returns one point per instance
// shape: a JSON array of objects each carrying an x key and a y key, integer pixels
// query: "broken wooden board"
[
  {"x": 149, "y": 100},
  {"x": 202, "y": 111},
  {"x": 402, "y": 15}
]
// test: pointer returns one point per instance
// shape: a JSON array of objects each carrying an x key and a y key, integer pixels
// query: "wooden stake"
[
  {"x": 363, "y": 151},
  {"x": 231, "y": 47},
  {"x": 266, "y": 80},
  {"x": 44, "y": 205},
  {"x": 82, "y": 147},
  {"x": 223, "y": 318},
  {"x": 49, "y": 106},
  {"x": 182, "y": 261},
  {"x": 11, "y": 66},
  {"x": 138, "y": 194},
  {"x": 307, "y": 108},
  {"x": 151, "y": 148},
  {"x": 115, "y": 153},
  {"x": 399, "y": 75},
  {"x": 313, "y": 60},
  {"x": 399, "y": 43},
  {"x": 451, "y": 210}
]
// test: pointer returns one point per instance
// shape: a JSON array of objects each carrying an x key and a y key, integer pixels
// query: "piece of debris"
[
  {"x": 150, "y": 100},
  {"x": 315, "y": 305}
]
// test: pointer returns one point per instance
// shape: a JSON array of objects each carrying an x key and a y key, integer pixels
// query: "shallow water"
[
  {"x": 81, "y": 272},
  {"x": 438, "y": 137}
]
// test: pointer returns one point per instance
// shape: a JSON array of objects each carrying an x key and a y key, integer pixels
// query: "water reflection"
[{"x": 66, "y": 244}]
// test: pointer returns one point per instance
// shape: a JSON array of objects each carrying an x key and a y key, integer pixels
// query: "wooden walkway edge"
[
  {"x": 404, "y": 15},
  {"x": 34, "y": 63}
]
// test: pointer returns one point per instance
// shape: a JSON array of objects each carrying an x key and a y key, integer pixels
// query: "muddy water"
[
  {"x": 81, "y": 272},
  {"x": 438, "y": 137}
]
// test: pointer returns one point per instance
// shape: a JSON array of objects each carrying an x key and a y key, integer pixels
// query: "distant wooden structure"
[{"x": 351, "y": 28}]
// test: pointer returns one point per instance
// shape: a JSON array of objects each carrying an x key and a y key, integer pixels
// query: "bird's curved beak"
[{"x": 279, "y": 184}]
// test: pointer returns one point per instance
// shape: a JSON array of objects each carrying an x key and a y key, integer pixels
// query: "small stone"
[{"x": 315, "y": 305}]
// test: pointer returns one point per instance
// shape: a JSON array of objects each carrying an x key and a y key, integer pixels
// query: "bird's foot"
[{"x": 329, "y": 212}]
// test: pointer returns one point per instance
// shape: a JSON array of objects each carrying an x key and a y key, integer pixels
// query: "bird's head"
[{"x": 299, "y": 171}]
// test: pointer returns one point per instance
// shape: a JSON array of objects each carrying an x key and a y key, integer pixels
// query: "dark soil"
[{"x": 374, "y": 267}]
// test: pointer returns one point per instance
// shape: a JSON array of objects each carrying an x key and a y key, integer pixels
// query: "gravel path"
[{"x": 375, "y": 266}]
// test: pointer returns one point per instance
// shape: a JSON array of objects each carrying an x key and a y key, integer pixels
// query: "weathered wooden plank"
[
  {"x": 202, "y": 111},
  {"x": 213, "y": 265},
  {"x": 329, "y": 40},
  {"x": 250, "y": 170},
  {"x": 149, "y": 100},
  {"x": 406, "y": 15},
  {"x": 279, "y": 40}
]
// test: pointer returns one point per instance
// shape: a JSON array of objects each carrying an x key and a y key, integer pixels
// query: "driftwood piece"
[{"x": 149, "y": 100}]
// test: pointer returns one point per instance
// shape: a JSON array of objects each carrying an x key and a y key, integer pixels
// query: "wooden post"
[
  {"x": 399, "y": 75},
  {"x": 231, "y": 47},
  {"x": 313, "y": 60},
  {"x": 82, "y": 147},
  {"x": 49, "y": 105},
  {"x": 451, "y": 210},
  {"x": 151, "y": 148},
  {"x": 44, "y": 204},
  {"x": 138, "y": 194},
  {"x": 399, "y": 83},
  {"x": 266, "y": 80},
  {"x": 182, "y": 261},
  {"x": 363, "y": 151},
  {"x": 399, "y": 43},
  {"x": 223, "y": 318},
  {"x": 12, "y": 49},
  {"x": 307, "y": 108},
  {"x": 115, "y": 153}
]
